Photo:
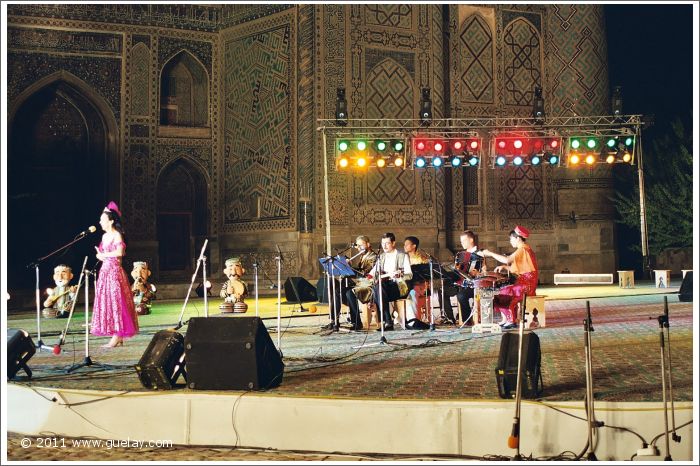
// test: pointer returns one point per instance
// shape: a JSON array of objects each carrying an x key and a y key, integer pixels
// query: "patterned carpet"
[{"x": 445, "y": 364}]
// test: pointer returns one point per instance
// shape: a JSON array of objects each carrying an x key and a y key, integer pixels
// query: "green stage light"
[
  {"x": 611, "y": 142},
  {"x": 361, "y": 145},
  {"x": 381, "y": 145},
  {"x": 591, "y": 143},
  {"x": 398, "y": 145},
  {"x": 343, "y": 146},
  {"x": 629, "y": 141},
  {"x": 575, "y": 143}
]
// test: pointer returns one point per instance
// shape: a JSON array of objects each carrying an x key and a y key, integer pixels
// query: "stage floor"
[{"x": 445, "y": 364}]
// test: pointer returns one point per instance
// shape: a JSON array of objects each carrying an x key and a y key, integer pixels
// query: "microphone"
[
  {"x": 57, "y": 349},
  {"x": 279, "y": 253},
  {"x": 91, "y": 229}
]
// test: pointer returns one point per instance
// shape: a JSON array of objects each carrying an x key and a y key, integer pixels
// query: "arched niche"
[
  {"x": 182, "y": 216},
  {"x": 63, "y": 167},
  {"x": 184, "y": 92}
]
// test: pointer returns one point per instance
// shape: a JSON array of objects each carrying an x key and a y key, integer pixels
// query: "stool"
[
  {"x": 536, "y": 312},
  {"x": 662, "y": 278},
  {"x": 368, "y": 312},
  {"x": 686, "y": 271},
  {"x": 626, "y": 278}
]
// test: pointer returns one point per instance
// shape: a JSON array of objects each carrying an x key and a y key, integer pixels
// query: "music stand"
[
  {"x": 337, "y": 266},
  {"x": 430, "y": 272}
]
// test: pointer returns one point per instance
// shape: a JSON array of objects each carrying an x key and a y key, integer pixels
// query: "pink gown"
[{"x": 113, "y": 310}]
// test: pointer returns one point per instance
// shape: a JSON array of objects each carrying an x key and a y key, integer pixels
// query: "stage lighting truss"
[
  {"x": 518, "y": 150},
  {"x": 596, "y": 148},
  {"x": 358, "y": 153},
  {"x": 450, "y": 151}
]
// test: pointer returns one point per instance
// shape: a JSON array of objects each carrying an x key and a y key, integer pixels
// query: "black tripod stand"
[{"x": 666, "y": 378}]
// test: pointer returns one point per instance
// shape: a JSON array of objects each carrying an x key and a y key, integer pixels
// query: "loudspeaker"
[
  {"x": 298, "y": 290},
  {"x": 341, "y": 107},
  {"x": 20, "y": 349},
  {"x": 163, "y": 361},
  {"x": 322, "y": 290},
  {"x": 426, "y": 107},
  {"x": 685, "y": 293},
  {"x": 231, "y": 353},
  {"x": 507, "y": 368}
]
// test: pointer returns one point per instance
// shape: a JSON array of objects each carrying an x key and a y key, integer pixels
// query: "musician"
[
  {"x": 418, "y": 285},
  {"x": 396, "y": 266},
  {"x": 410, "y": 247},
  {"x": 469, "y": 263},
  {"x": 361, "y": 293},
  {"x": 523, "y": 263}
]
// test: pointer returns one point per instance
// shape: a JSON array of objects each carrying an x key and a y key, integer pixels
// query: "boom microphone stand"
[
  {"x": 514, "y": 439},
  {"x": 279, "y": 299},
  {"x": 588, "y": 328},
  {"x": 255, "y": 268},
  {"x": 40, "y": 344},
  {"x": 666, "y": 357},
  {"x": 202, "y": 259}
]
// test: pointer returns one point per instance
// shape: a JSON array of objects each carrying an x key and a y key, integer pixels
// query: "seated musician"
[
  {"x": 523, "y": 263},
  {"x": 361, "y": 292},
  {"x": 418, "y": 285},
  {"x": 395, "y": 267},
  {"x": 469, "y": 263}
]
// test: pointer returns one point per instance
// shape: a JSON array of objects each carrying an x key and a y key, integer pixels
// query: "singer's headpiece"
[
  {"x": 113, "y": 207},
  {"x": 521, "y": 231}
]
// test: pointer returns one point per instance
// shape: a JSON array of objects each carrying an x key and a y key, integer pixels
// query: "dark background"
[{"x": 650, "y": 54}]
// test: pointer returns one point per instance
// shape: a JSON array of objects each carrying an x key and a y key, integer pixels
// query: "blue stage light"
[
  {"x": 420, "y": 162},
  {"x": 535, "y": 160},
  {"x": 473, "y": 160},
  {"x": 517, "y": 161},
  {"x": 456, "y": 161},
  {"x": 500, "y": 160},
  {"x": 437, "y": 162},
  {"x": 553, "y": 160}
]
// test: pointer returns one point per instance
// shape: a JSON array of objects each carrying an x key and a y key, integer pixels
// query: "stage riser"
[{"x": 473, "y": 428}]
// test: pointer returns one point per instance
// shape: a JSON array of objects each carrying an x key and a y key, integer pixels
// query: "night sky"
[{"x": 650, "y": 54}]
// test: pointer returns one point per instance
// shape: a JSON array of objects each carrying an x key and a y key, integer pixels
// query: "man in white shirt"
[
  {"x": 469, "y": 263},
  {"x": 393, "y": 267}
]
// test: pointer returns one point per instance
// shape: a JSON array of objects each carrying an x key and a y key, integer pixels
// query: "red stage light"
[
  {"x": 501, "y": 144},
  {"x": 474, "y": 145},
  {"x": 457, "y": 145},
  {"x": 438, "y": 146},
  {"x": 538, "y": 144},
  {"x": 553, "y": 143},
  {"x": 518, "y": 144},
  {"x": 420, "y": 145}
]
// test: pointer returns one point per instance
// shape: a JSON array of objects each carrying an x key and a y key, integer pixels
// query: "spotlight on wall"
[
  {"x": 426, "y": 107},
  {"x": 538, "y": 106},
  {"x": 341, "y": 108}
]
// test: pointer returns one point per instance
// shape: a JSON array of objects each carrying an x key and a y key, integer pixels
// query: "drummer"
[
  {"x": 523, "y": 263},
  {"x": 468, "y": 262}
]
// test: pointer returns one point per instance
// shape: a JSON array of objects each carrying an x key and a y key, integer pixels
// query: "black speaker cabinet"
[
  {"x": 20, "y": 349},
  {"x": 163, "y": 361},
  {"x": 322, "y": 290},
  {"x": 298, "y": 290},
  {"x": 507, "y": 368},
  {"x": 685, "y": 293},
  {"x": 231, "y": 353}
]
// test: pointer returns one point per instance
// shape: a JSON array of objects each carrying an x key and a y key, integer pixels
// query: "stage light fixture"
[
  {"x": 420, "y": 162},
  {"x": 574, "y": 159},
  {"x": 616, "y": 101},
  {"x": 591, "y": 143},
  {"x": 518, "y": 144},
  {"x": 629, "y": 140},
  {"x": 457, "y": 145},
  {"x": 538, "y": 106},
  {"x": 612, "y": 142},
  {"x": 500, "y": 161},
  {"x": 535, "y": 160},
  {"x": 361, "y": 162},
  {"x": 343, "y": 162},
  {"x": 610, "y": 158},
  {"x": 575, "y": 143},
  {"x": 517, "y": 161},
  {"x": 398, "y": 145},
  {"x": 341, "y": 108},
  {"x": 343, "y": 146},
  {"x": 590, "y": 159},
  {"x": 438, "y": 147},
  {"x": 361, "y": 145},
  {"x": 426, "y": 110},
  {"x": 553, "y": 159},
  {"x": 626, "y": 157},
  {"x": 437, "y": 161},
  {"x": 501, "y": 144},
  {"x": 553, "y": 143},
  {"x": 456, "y": 161},
  {"x": 473, "y": 160},
  {"x": 398, "y": 162},
  {"x": 420, "y": 145},
  {"x": 537, "y": 145},
  {"x": 381, "y": 163},
  {"x": 474, "y": 145},
  {"x": 381, "y": 146}
]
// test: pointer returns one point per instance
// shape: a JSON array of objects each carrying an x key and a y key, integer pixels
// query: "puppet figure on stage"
[
  {"x": 61, "y": 298},
  {"x": 234, "y": 290},
  {"x": 143, "y": 291}
]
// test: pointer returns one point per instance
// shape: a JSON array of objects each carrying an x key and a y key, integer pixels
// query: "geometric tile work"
[
  {"x": 476, "y": 61},
  {"x": 140, "y": 79},
  {"x": 522, "y": 194},
  {"x": 259, "y": 163},
  {"x": 397, "y": 16},
  {"x": 577, "y": 60},
  {"x": 522, "y": 62}
]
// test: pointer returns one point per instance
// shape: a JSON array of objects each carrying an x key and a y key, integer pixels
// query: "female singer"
[{"x": 113, "y": 311}]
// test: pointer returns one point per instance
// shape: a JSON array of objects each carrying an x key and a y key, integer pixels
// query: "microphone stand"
[
  {"x": 666, "y": 356},
  {"x": 588, "y": 328},
  {"x": 194, "y": 275},
  {"x": 382, "y": 339},
  {"x": 35, "y": 265},
  {"x": 279, "y": 300},
  {"x": 255, "y": 268},
  {"x": 62, "y": 338},
  {"x": 514, "y": 439},
  {"x": 87, "y": 361}
]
